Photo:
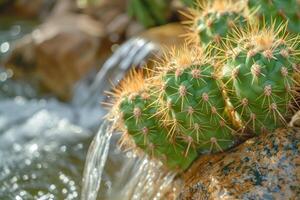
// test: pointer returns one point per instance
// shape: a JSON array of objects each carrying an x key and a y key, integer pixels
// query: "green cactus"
[
  {"x": 140, "y": 121},
  {"x": 149, "y": 12},
  {"x": 193, "y": 104},
  {"x": 281, "y": 10},
  {"x": 214, "y": 20},
  {"x": 259, "y": 76},
  {"x": 189, "y": 3}
]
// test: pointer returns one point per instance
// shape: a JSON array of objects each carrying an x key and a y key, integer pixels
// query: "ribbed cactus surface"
[
  {"x": 260, "y": 76},
  {"x": 141, "y": 122},
  {"x": 195, "y": 107}
]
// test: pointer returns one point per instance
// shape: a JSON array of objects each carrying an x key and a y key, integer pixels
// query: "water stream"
[{"x": 44, "y": 142}]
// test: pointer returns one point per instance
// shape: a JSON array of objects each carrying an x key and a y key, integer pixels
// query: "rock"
[
  {"x": 59, "y": 52},
  {"x": 33, "y": 8},
  {"x": 168, "y": 35},
  {"x": 265, "y": 167}
]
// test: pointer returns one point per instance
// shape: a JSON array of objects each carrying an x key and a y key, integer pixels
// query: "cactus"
[
  {"x": 214, "y": 20},
  {"x": 260, "y": 76},
  {"x": 149, "y": 12},
  {"x": 180, "y": 115},
  {"x": 192, "y": 103},
  {"x": 139, "y": 120},
  {"x": 189, "y": 3},
  {"x": 279, "y": 10}
]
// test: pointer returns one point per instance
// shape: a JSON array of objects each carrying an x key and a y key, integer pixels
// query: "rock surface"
[
  {"x": 59, "y": 52},
  {"x": 266, "y": 167},
  {"x": 32, "y": 8}
]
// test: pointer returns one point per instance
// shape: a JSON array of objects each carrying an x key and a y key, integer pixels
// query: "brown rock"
[
  {"x": 32, "y": 8},
  {"x": 266, "y": 167},
  {"x": 59, "y": 52},
  {"x": 169, "y": 35}
]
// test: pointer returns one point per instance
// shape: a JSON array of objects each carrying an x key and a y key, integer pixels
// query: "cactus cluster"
[{"x": 202, "y": 98}]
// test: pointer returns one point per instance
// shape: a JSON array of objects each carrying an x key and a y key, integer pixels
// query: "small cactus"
[
  {"x": 214, "y": 20},
  {"x": 259, "y": 76},
  {"x": 192, "y": 102},
  {"x": 139, "y": 120}
]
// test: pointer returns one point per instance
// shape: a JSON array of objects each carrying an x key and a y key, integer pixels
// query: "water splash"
[
  {"x": 125, "y": 175},
  {"x": 142, "y": 179},
  {"x": 96, "y": 157}
]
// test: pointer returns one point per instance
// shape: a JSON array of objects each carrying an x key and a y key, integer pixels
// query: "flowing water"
[{"x": 44, "y": 142}]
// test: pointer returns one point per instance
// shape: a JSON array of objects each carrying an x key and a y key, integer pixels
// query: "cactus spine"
[
  {"x": 139, "y": 119},
  {"x": 192, "y": 101},
  {"x": 260, "y": 76}
]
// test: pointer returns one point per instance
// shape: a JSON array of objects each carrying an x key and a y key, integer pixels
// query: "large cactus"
[
  {"x": 214, "y": 20},
  {"x": 259, "y": 76}
]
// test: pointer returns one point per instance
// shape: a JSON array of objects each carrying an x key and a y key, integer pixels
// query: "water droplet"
[
  {"x": 64, "y": 191},
  {"x": 63, "y": 148},
  {"x": 4, "y": 47},
  {"x": 33, "y": 148},
  {"x": 18, "y": 197},
  {"x": 3, "y": 76},
  {"x": 28, "y": 162},
  {"x": 52, "y": 187}
]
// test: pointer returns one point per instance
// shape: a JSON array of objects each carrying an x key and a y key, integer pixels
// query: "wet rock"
[
  {"x": 266, "y": 167},
  {"x": 59, "y": 52}
]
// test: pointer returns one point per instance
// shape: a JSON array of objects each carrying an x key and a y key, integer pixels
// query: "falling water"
[
  {"x": 140, "y": 178},
  {"x": 123, "y": 175},
  {"x": 96, "y": 157},
  {"x": 132, "y": 53}
]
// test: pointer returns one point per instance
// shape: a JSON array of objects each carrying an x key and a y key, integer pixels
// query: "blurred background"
[{"x": 57, "y": 57}]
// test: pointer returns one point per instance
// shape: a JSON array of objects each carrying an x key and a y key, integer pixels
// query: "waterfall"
[{"x": 95, "y": 162}]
